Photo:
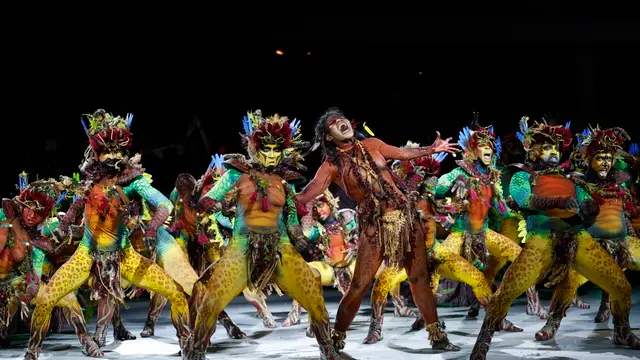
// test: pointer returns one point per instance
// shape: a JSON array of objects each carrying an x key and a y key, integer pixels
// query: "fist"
[
  {"x": 589, "y": 209},
  {"x": 149, "y": 238},
  {"x": 570, "y": 203},
  {"x": 60, "y": 234}
]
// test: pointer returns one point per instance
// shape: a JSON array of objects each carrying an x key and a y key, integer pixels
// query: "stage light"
[
  {"x": 279, "y": 52},
  {"x": 419, "y": 72},
  {"x": 308, "y": 52}
]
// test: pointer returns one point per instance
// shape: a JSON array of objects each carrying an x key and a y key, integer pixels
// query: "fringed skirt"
[
  {"x": 106, "y": 275},
  {"x": 395, "y": 233},
  {"x": 263, "y": 256}
]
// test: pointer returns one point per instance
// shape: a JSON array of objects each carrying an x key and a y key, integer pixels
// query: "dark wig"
[{"x": 321, "y": 132}]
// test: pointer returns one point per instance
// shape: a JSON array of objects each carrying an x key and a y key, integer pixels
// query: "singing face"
[
  {"x": 550, "y": 154},
  {"x": 111, "y": 158},
  {"x": 484, "y": 152},
  {"x": 601, "y": 164},
  {"x": 339, "y": 129},
  {"x": 269, "y": 155},
  {"x": 31, "y": 217}
]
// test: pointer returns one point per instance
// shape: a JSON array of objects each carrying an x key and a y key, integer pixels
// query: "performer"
[
  {"x": 555, "y": 240},
  {"x": 265, "y": 224},
  {"x": 594, "y": 157},
  {"x": 105, "y": 252},
  {"x": 172, "y": 253},
  {"x": 334, "y": 233},
  {"x": 23, "y": 249},
  {"x": 390, "y": 228}
]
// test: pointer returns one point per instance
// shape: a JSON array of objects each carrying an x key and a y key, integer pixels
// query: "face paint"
[
  {"x": 601, "y": 164},
  {"x": 31, "y": 217},
  {"x": 484, "y": 153},
  {"x": 550, "y": 154},
  {"x": 323, "y": 210},
  {"x": 339, "y": 129},
  {"x": 270, "y": 155}
]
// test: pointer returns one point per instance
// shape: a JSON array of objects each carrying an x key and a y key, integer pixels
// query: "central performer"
[{"x": 390, "y": 227}]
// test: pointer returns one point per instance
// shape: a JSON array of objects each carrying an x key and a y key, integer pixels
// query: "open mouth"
[
  {"x": 343, "y": 127},
  {"x": 603, "y": 172},
  {"x": 486, "y": 156}
]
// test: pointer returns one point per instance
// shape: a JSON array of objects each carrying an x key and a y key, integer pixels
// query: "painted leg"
[
  {"x": 67, "y": 279},
  {"x": 297, "y": 280},
  {"x": 604, "y": 312},
  {"x": 563, "y": 294},
  {"x": 233, "y": 331},
  {"x": 325, "y": 274},
  {"x": 217, "y": 286},
  {"x": 534, "y": 307},
  {"x": 156, "y": 305},
  {"x": 143, "y": 273},
  {"x": 387, "y": 280},
  {"x": 174, "y": 261},
  {"x": 73, "y": 313},
  {"x": 400, "y": 304},
  {"x": 120, "y": 332},
  {"x": 106, "y": 309},
  {"x": 532, "y": 263},
  {"x": 368, "y": 263},
  {"x": 259, "y": 300},
  {"x": 419, "y": 279},
  {"x": 610, "y": 278},
  {"x": 577, "y": 301}
]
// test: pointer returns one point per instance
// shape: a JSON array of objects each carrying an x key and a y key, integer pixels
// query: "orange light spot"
[
  {"x": 308, "y": 52},
  {"x": 419, "y": 72},
  {"x": 279, "y": 52}
]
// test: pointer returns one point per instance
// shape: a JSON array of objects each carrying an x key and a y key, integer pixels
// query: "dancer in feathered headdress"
[
  {"x": 114, "y": 183},
  {"x": 475, "y": 183},
  {"x": 556, "y": 240},
  {"x": 595, "y": 158},
  {"x": 267, "y": 235},
  {"x": 23, "y": 252}
]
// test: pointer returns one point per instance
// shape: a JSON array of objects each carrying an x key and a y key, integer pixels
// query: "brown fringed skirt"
[
  {"x": 263, "y": 256},
  {"x": 106, "y": 275}
]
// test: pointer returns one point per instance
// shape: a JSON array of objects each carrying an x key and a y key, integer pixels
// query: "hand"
[
  {"x": 149, "y": 238},
  {"x": 351, "y": 254},
  {"x": 589, "y": 209},
  {"x": 300, "y": 241},
  {"x": 444, "y": 145},
  {"x": 59, "y": 234},
  {"x": 570, "y": 203},
  {"x": 459, "y": 189}
]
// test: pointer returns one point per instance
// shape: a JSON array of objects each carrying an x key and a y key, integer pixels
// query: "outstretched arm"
[
  {"x": 406, "y": 153},
  {"x": 325, "y": 175},
  {"x": 163, "y": 206}
]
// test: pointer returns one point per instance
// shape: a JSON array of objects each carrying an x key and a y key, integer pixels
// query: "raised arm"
[
  {"x": 446, "y": 181},
  {"x": 212, "y": 200},
  {"x": 163, "y": 206},
  {"x": 325, "y": 175},
  {"x": 407, "y": 153}
]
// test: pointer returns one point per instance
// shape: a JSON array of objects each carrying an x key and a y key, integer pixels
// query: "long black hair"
[{"x": 321, "y": 131}]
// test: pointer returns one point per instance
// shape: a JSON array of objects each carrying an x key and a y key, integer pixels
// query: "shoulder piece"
[
  {"x": 523, "y": 167},
  {"x": 129, "y": 174},
  {"x": 619, "y": 176},
  {"x": 464, "y": 166},
  {"x": 238, "y": 163},
  {"x": 292, "y": 177}
]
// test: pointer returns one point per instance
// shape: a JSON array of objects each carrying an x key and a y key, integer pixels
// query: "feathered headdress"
[
  {"x": 596, "y": 140},
  {"x": 542, "y": 132},
  {"x": 474, "y": 135},
  {"x": 108, "y": 133},
  {"x": 274, "y": 130},
  {"x": 42, "y": 196}
]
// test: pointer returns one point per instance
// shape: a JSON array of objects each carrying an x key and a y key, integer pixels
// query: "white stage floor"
[{"x": 579, "y": 337}]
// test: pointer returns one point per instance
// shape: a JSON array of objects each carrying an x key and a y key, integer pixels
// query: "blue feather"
[
  {"x": 129, "y": 119},
  {"x": 520, "y": 136},
  {"x": 75, "y": 197},
  {"x": 491, "y": 129},
  {"x": 61, "y": 197},
  {"x": 498, "y": 147},
  {"x": 634, "y": 149},
  {"x": 246, "y": 123},
  {"x": 211, "y": 163},
  {"x": 439, "y": 157},
  {"x": 294, "y": 125},
  {"x": 567, "y": 125},
  {"x": 219, "y": 161},
  {"x": 84, "y": 126},
  {"x": 524, "y": 127}
]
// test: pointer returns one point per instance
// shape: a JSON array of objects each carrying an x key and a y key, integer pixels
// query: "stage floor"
[{"x": 579, "y": 337}]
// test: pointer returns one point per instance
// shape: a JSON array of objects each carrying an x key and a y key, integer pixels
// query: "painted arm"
[
  {"x": 589, "y": 208},
  {"x": 325, "y": 175},
  {"x": 62, "y": 231},
  {"x": 396, "y": 153},
  {"x": 38, "y": 257},
  {"x": 520, "y": 189},
  {"x": 162, "y": 205},
  {"x": 174, "y": 195},
  {"x": 212, "y": 200},
  {"x": 446, "y": 181}
]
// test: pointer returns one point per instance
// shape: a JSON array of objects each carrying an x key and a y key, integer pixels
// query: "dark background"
[{"x": 190, "y": 73}]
